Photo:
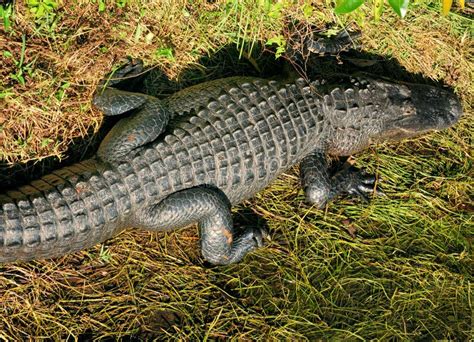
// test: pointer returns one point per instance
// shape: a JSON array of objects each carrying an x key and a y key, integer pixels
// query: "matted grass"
[{"x": 400, "y": 267}]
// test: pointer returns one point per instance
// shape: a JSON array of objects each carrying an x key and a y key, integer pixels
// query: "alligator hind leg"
[
  {"x": 210, "y": 208},
  {"x": 132, "y": 132},
  {"x": 320, "y": 186}
]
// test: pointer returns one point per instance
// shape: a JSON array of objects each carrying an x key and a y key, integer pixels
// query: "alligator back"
[{"x": 238, "y": 135}]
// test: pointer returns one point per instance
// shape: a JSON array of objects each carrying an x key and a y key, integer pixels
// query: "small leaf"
[
  {"x": 275, "y": 11},
  {"x": 101, "y": 6},
  {"x": 5, "y": 13},
  {"x": 281, "y": 45},
  {"x": 3, "y": 95},
  {"x": 165, "y": 52},
  {"x": 279, "y": 52},
  {"x": 399, "y": 6},
  {"x": 278, "y": 40},
  {"x": 307, "y": 10},
  {"x": 121, "y": 3},
  {"x": 45, "y": 142},
  {"x": 347, "y": 6},
  {"x": 446, "y": 7}
]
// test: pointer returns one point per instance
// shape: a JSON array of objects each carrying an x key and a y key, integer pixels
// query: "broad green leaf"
[
  {"x": 446, "y": 6},
  {"x": 346, "y": 6},
  {"x": 399, "y": 6},
  {"x": 378, "y": 9}
]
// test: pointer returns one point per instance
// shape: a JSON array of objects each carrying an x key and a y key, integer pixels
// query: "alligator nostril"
[{"x": 456, "y": 110}]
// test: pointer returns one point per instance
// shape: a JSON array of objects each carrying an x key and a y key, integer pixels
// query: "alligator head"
[{"x": 386, "y": 110}]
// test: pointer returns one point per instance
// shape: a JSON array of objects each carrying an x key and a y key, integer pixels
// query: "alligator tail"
[{"x": 68, "y": 210}]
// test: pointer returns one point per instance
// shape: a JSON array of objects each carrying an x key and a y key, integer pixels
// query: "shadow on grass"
[{"x": 224, "y": 63}]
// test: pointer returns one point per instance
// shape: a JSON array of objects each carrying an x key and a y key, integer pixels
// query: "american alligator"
[{"x": 188, "y": 158}]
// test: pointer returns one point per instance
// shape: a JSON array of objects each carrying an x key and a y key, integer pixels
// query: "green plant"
[
  {"x": 280, "y": 42},
  {"x": 121, "y": 3},
  {"x": 104, "y": 254},
  {"x": 101, "y": 5},
  {"x": 44, "y": 11},
  {"x": 399, "y": 6},
  {"x": 166, "y": 53},
  {"x": 6, "y": 12},
  {"x": 21, "y": 68}
]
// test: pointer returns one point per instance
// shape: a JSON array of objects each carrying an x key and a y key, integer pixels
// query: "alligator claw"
[
  {"x": 359, "y": 184},
  {"x": 368, "y": 179},
  {"x": 258, "y": 236}
]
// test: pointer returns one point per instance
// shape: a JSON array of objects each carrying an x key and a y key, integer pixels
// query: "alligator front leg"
[
  {"x": 320, "y": 186},
  {"x": 210, "y": 208}
]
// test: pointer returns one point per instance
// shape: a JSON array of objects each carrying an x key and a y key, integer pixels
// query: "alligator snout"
[
  {"x": 436, "y": 108},
  {"x": 456, "y": 109}
]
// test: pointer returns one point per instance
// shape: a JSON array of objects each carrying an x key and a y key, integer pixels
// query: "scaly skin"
[{"x": 189, "y": 158}]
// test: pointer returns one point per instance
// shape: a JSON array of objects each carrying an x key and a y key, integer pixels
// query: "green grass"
[{"x": 399, "y": 267}]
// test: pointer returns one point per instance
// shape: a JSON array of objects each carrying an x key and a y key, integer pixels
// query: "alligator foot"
[
  {"x": 131, "y": 68},
  {"x": 220, "y": 243},
  {"x": 355, "y": 182},
  {"x": 305, "y": 41},
  {"x": 320, "y": 186}
]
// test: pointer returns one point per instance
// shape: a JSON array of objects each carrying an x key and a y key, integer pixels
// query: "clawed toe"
[
  {"x": 361, "y": 192},
  {"x": 362, "y": 185},
  {"x": 259, "y": 235}
]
